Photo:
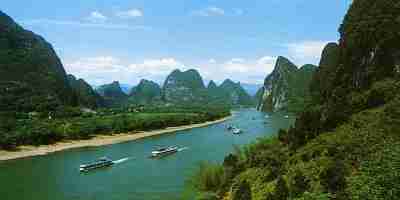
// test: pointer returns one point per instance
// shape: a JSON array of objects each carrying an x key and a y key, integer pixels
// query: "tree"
[
  {"x": 282, "y": 191},
  {"x": 241, "y": 190}
]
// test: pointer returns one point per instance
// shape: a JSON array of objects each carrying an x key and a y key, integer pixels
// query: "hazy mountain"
[
  {"x": 236, "y": 94},
  {"x": 250, "y": 88},
  {"x": 184, "y": 87},
  {"x": 86, "y": 95},
  {"x": 147, "y": 92},
  {"x": 112, "y": 93}
]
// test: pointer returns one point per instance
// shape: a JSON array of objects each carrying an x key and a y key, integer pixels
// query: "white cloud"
[
  {"x": 266, "y": 60},
  {"x": 105, "y": 69},
  {"x": 97, "y": 17},
  {"x": 236, "y": 60},
  {"x": 160, "y": 66},
  {"x": 240, "y": 69},
  {"x": 306, "y": 51},
  {"x": 50, "y": 22},
  {"x": 93, "y": 64},
  {"x": 209, "y": 11},
  {"x": 267, "y": 63},
  {"x": 132, "y": 13}
]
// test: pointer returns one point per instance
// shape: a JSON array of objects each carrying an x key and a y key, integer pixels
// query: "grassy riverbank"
[
  {"x": 44, "y": 131},
  {"x": 98, "y": 140}
]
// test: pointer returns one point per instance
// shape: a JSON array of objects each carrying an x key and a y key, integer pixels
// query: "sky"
[{"x": 128, "y": 40}]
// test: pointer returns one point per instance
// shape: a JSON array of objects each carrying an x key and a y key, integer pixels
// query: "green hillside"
[
  {"x": 32, "y": 77},
  {"x": 147, "y": 92},
  {"x": 345, "y": 144},
  {"x": 112, "y": 94},
  {"x": 287, "y": 87},
  {"x": 85, "y": 94}
]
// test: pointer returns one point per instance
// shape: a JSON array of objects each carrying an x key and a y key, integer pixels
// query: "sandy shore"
[{"x": 101, "y": 140}]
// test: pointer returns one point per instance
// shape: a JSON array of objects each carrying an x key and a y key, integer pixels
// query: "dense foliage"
[
  {"x": 187, "y": 88},
  {"x": 345, "y": 144},
  {"x": 31, "y": 75},
  {"x": 112, "y": 94},
  {"x": 72, "y": 123},
  {"x": 147, "y": 92},
  {"x": 85, "y": 94}
]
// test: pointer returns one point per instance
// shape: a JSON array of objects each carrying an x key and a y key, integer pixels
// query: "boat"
[
  {"x": 100, "y": 163},
  {"x": 236, "y": 131},
  {"x": 164, "y": 151},
  {"x": 229, "y": 127},
  {"x": 286, "y": 116}
]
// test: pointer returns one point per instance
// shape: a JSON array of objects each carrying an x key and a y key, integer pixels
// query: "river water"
[{"x": 134, "y": 176}]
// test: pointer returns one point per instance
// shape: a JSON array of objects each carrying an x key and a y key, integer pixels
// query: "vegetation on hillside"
[
  {"x": 287, "y": 87},
  {"x": 147, "y": 92},
  {"x": 86, "y": 96},
  {"x": 112, "y": 94},
  {"x": 31, "y": 74},
  {"x": 345, "y": 144}
]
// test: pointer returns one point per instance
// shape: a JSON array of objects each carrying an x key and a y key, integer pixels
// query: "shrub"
[
  {"x": 208, "y": 177},
  {"x": 379, "y": 176},
  {"x": 241, "y": 190}
]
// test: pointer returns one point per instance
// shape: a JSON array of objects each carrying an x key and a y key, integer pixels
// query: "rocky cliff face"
[
  {"x": 184, "y": 87},
  {"x": 31, "y": 74},
  {"x": 286, "y": 88},
  {"x": 357, "y": 72},
  {"x": 85, "y": 94},
  {"x": 112, "y": 94},
  {"x": 147, "y": 92}
]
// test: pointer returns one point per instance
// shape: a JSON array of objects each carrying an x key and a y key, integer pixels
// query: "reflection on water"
[{"x": 135, "y": 176}]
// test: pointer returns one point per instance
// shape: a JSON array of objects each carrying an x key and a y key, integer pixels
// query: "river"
[{"x": 135, "y": 176}]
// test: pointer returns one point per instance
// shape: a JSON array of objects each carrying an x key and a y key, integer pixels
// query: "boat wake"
[
  {"x": 183, "y": 149},
  {"x": 121, "y": 160}
]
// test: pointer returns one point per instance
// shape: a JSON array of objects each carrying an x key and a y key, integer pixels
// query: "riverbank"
[{"x": 100, "y": 140}]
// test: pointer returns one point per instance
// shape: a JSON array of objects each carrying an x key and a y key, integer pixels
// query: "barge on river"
[
  {"x": 164, "y": 151},
  {"x": 100, "y": 163}
]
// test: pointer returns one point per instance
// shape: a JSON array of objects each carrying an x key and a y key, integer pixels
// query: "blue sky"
[{"x": 128, "y": 40}]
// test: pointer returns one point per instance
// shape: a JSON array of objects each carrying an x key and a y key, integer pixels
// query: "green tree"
[{"x": 241, "y": 190}]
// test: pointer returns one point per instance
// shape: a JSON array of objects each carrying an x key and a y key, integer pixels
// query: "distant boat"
[
  {"x": 236, "y": 131},
  {"x": 100, "y": 163},
  {"x": 286, "y": 116},
  {"x": 266, "y": 116},
  {"x": 164, "y": 151},
  {"x": 229, "y": 127}
]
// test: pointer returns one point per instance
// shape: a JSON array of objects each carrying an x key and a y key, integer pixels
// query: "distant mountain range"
[
  {"x": 179, "y": 88},
  {"x": 32, "y": 78},
  {"x": 250, "y": 88}
]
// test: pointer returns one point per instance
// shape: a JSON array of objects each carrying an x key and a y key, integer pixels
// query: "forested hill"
[
  {"x": 346, "y": 144},
  {"x": 147, "y": 92},
  {"x": 31, "y": 74},
  {"x": 86, "y": 96},
  {"x": 235, "y": 93},
  {"x": 112, "y": 94},
  {"x": 184, "y": 87}
]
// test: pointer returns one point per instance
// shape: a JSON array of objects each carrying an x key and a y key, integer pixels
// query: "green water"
[{"x": 56, "y": 176}]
